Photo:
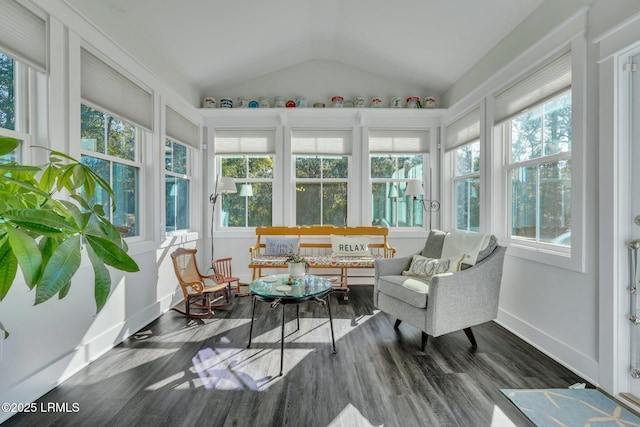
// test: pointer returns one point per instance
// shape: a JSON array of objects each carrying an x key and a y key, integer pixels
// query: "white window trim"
[
  {"x": 451, "y": 157},
  {"x": 242, "y": 231},
  {"x": 186, "y": 176}
]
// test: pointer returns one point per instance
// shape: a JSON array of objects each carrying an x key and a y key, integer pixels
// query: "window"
[
  {"x": 252, "y": 205},
  {"x": 7, "y": 93},
  {"x": 110, "y": 147},
  {"x": 462, "y": 145},
  {"x": 247, "y": 155},
  {"x": 397, "y": 156},
  {"x": 321, "y": 190},
  {"x": 389, "y": 176},
  {"x": 321, "y": 166},
  {"x": 466, "y": 184},
  {"x": 540, "y": 172},
  {"x": 177, "y": 180}
]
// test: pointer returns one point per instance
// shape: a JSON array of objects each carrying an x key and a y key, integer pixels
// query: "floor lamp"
[
  {"x": 224, "y": 185},
  {"x": 414, "y": 189}
]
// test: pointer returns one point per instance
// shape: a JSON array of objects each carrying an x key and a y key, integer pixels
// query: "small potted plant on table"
[{"x": 298, "y": 266}]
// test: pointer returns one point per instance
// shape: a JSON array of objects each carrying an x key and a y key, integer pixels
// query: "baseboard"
[
  {"x": 572, "y": 359},
  {"x": 61, "y": 369}
]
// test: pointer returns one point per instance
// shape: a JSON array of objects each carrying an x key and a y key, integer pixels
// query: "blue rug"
[{"x": 568, "y": 407}]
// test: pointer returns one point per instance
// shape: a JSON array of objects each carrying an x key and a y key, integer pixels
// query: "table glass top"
[{"x": 281, "y": 285}]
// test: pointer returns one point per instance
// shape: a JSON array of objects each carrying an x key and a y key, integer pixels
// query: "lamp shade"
[
  {"x": 246, "y": 190},
  {"x": 226, "y": 185},
  {"x": 414, "y": 188},
  {"x": 393, "y": 191}
]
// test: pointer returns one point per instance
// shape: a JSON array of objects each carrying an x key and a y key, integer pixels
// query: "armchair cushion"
[
  {"x": 410, "y": 290},
  {"x": 428, "y": 267},
  {"x": 433, "y": 245}
]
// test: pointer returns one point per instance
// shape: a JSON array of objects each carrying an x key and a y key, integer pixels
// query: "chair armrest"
[
  {"x": 465, "y": 298},
  {"x": 391, "y": 266}
]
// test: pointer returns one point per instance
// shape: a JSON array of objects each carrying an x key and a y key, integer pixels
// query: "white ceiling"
[{"x": 213, "y": 43}]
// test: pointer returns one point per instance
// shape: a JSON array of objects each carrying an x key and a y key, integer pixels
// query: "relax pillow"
[
  {"x": 350, "y": 246},
  {"x": 281, "y": 246},
  {"x": 428, "y": 267}
]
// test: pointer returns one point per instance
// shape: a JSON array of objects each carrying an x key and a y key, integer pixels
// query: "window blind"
[
  {"x": 399, "y": 141},
  {"x": 463, "y": 130},
  {"x": 181, "y": 129},
  {"x": 249, "y": 141},
  {"x": 107, "y": 89},
  {"x": 315, "y": 141},
  {"x": 23, "y": 34},
  {"x": 539, "y": 86}
]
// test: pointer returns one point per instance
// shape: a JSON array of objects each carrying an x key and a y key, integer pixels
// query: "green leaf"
[
  {"x": 47, "y": 247},
  {"x": 80, "y": 219},
  {"x": 41, "y": 221},
  {"x": 48, "y": 178},
  {"x": 19, "y": 168},
  {"x": 112, "y": 254},
  {"x": 65, "y": 290},
  {"x": 2, "y": 329},
  {"x": 27, "y": 186},
  {"x": 27, "y": 253},
  {"x": 7, "y": 145},
  {"x": 81, "y": 201},
  {"x": 102, "y": 282},
  {"x": 8, "y": 268},
  {"x": 59, "y": 270}
]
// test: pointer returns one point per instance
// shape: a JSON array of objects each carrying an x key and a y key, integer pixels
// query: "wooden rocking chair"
[
  {"x": 223, "y": 266},
  {"x": 200, "y": 292}
]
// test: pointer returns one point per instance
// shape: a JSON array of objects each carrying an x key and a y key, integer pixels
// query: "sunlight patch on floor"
[
  {"x": 499, "y": 419},
  {"x": 350, "y": 417}
]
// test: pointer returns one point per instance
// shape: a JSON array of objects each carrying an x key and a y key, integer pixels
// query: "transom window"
[
  {"x": 389, "y": 176},
  {"x": 177, "y": 185},
  {"x": 110, "y": 148},
  {"x": 251, "y": 205}
]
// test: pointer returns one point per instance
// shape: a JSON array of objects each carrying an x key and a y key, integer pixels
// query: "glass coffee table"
[{"x": 282, "y": 290}]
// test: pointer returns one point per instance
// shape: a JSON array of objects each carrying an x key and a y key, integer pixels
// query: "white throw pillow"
[
  {"x": 350, "y": 245},
  {"x": 281, "y": 246},
  {"x": 428, "y": 267}
]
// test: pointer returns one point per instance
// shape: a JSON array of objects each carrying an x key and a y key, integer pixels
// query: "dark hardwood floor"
[{"x": 179, "y": 372}]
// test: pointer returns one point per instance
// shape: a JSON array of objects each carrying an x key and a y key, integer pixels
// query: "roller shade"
[
  {"x": 23, "y": 34},
  {"x": 107, "y": 89},
  {"x": 399, "y": 140},
  {"x": 463, "y": 130},
  {"x": 310, "y": 141},
  {"x": 181, "y": 129},
  {"x": 249, "y": 141},
  {"x": 541, "y": 85}
]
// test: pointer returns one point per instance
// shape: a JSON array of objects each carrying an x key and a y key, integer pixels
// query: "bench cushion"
[{"x": 316, "y": 261}]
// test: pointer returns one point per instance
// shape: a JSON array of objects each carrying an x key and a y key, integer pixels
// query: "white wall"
[
  {"x": 555, "y": 309},
  {"x": 51, "y": 341}
]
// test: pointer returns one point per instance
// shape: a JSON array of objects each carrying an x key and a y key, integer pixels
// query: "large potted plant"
[{"x": 47, "y": 217}]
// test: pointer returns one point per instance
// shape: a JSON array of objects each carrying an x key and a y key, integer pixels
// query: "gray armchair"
[{"x": 444, "y": 304}]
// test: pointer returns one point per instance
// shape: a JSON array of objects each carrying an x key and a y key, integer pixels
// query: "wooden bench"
[{"x": 314, "y": 244}]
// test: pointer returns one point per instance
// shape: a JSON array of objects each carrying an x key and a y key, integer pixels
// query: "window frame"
[
  {"x": 455, "y": 179},
  {"x": 24, "y": 98},
  {"x": 372, "y": 181},
  {"x": 138, "y": 163},
  {"x": 187, "y": 176},
  {"x": 246, "y": 180},
  {"x": 321, "y": 181},
  {"x": 511, "y": 165}
]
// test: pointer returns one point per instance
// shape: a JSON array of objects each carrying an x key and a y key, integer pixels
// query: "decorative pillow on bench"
[
  {"x": 350, "y": 245},
  {"x": 281, "y": 246}
]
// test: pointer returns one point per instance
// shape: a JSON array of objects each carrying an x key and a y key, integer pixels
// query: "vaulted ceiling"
[{"x": 213, "y": 43}]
